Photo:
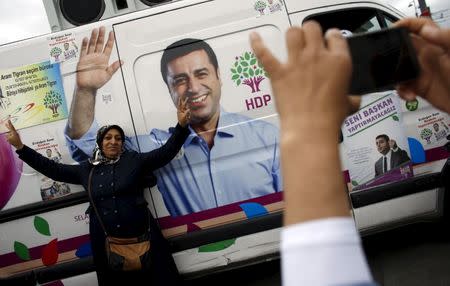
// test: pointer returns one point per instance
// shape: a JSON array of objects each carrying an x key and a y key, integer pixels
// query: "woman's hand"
[
  {"x": 12, "y": 136},
  {"x": 183, "y": 112}
]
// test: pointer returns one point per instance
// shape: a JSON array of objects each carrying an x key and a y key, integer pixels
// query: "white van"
[{"x": 43, "y": 226}]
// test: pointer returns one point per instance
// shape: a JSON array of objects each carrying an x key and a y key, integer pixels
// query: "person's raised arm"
[
  {"x": 319, "y": 243},
  {"x": 51, "y": 169},
  {"x": 312, "y": 102},
  {"x": 163, "y": 155},
  {"x": 432, "y": 44},
  {"x": 93, "y": 72}
]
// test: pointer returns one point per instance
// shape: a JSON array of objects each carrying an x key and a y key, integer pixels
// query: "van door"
[
  {"x": 245, "y": 90},
  {"x": 225, "y": 27}
]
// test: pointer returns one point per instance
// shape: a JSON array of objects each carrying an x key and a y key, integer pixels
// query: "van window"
[
  {"x": 390, "y": 20},
  {"x": 353, "y": 20}
]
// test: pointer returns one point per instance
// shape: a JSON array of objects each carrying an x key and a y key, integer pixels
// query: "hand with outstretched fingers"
[
  {"x": 93, "y": 70},
  {"x": 183, "y": 112}
]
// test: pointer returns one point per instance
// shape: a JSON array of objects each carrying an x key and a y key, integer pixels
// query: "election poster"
[
  {"x": 31, "y": 95},
  {"x": 376, "y": 147}
]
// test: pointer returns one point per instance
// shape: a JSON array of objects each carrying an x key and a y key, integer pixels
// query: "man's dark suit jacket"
[{"x": 397, "y": 158}]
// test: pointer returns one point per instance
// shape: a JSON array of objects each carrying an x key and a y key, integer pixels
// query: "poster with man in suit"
[
  {"x": 369, "y": 133},
  {"x": 392, "y": 156}
]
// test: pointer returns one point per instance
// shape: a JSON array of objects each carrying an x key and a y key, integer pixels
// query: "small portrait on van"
[
  {"x": 228, "y": 157},
  {"x": 49, "y": 188},
  {"x": 392, "y": 156}
]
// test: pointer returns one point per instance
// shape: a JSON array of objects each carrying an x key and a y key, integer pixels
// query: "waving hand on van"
[{"x": 93, "y": 71}]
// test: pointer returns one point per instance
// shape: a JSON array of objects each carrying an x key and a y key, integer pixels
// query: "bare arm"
[
  {"x": 310, "y": 96},
  {"x": 92, "y": 73},
  {"x": 82, "y": 111},
  {"x": 319, "y": 236}
]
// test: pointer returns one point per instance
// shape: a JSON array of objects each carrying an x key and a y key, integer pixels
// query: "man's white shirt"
[{"x": 323, "y": 252}]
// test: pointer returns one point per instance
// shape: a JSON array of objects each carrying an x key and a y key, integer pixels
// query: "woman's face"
[{"x": 112, "y": 144}]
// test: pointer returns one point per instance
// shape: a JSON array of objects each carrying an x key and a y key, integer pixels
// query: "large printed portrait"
[{"x": 229, "y": 167}]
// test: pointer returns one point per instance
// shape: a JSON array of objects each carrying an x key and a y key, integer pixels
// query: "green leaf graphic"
[
  {"x": 354, "y": 183},
  {"x": 21, "y": 250},
  {"x": 217, "y": 246},
  {"x": 246, "y": 67},
  {"x": 41, "y": 225},
  {"x": 395, "y": 117}
]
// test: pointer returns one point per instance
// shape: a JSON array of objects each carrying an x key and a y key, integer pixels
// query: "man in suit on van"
[
  {"x": 227, "y": 158},
  {"x": 392, "y": 157}
]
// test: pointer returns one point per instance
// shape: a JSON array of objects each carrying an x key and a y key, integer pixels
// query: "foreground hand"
[
  {"x": 433, "y": 50},
  {"x": 183, "y": 112},
  {"x": 311, "y": 87},
  {"x": 12, "y": 136},
  {"x": 92, "y": 69}
]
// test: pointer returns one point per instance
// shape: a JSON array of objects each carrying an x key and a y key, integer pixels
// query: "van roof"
[{"x": 297, "y": 6}]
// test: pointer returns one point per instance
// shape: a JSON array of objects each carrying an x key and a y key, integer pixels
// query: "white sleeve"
[{"x": 323, "y": 252}]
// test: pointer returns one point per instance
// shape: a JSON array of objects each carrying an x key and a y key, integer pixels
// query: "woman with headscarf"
[{"x": 116, "y": 187}]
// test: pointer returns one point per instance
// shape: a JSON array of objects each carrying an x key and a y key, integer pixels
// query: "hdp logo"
[
  {"x": 55, "y": 52},
  {"x": 260, "y": 6},
  {"x": 52, "y": 100},
  {"x": 270, "y": 7},
  {"x": 426, "y": 134},
  {"x": 247, "y": 70}
]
